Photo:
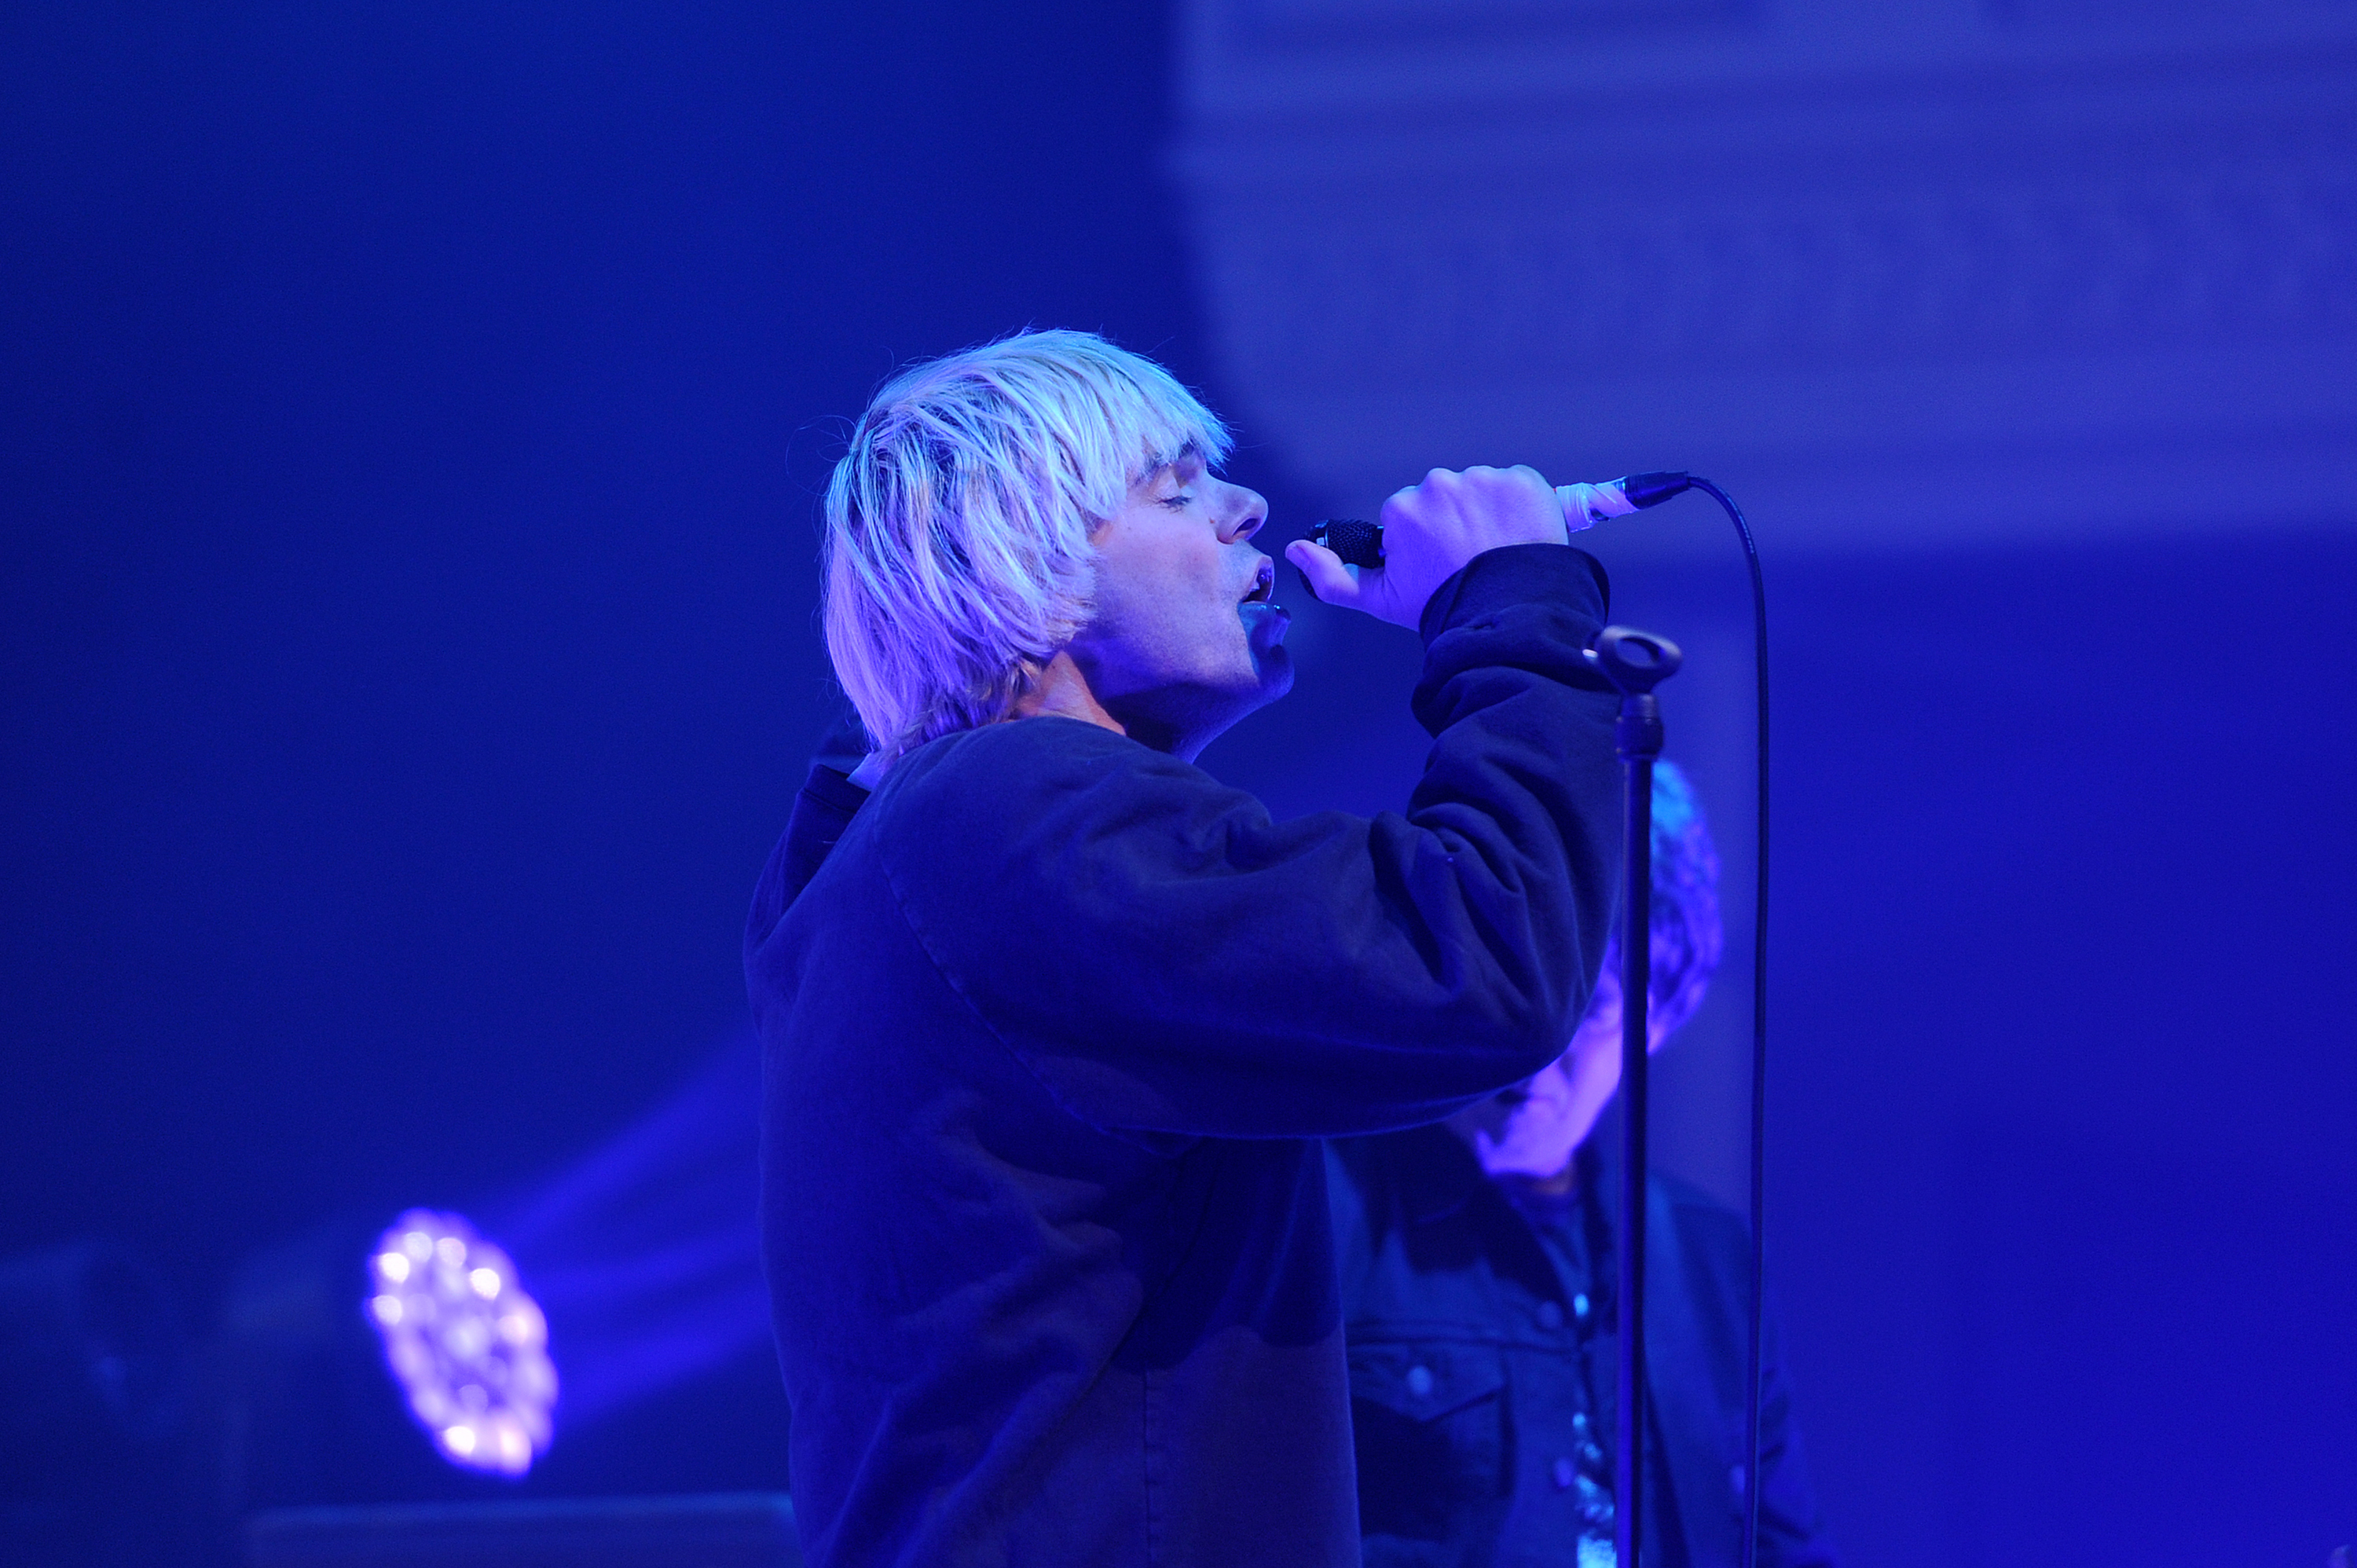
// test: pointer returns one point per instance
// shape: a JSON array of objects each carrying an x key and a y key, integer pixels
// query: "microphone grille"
[{"x": 1359, "y": 543}]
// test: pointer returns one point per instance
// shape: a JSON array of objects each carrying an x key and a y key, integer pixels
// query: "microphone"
[
  {"x": 1584, "y": 506},
  {"x": 1361, "y": 544}
]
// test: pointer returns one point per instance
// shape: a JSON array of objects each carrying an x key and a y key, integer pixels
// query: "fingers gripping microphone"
[{"x": 1584, "y": 506}]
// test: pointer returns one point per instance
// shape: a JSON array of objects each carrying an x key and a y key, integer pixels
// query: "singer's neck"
[{"x": 1061, "y": 691}]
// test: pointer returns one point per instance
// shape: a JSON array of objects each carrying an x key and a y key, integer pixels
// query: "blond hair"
[{"x": 958, "y": 554}]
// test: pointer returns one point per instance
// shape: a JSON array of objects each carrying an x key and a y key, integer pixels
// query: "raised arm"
[{"x": 1164, "y": 958}]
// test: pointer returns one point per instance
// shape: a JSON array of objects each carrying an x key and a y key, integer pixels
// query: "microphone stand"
[{"x": 1634, "y": 662}]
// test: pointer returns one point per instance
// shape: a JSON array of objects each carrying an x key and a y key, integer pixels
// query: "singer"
[{"x": 1053, "y": 1022}]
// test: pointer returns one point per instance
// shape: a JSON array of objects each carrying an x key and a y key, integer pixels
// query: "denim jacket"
[{"x": 1468, "y": 1396}]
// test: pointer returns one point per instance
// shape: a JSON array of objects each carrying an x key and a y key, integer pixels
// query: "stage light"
[
  {"x": 466, "y": 1343},
  {"x": 342, "y": 1371}
]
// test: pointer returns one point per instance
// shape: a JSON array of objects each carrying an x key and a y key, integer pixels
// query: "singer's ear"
[{"x": 1322, "y": 573}]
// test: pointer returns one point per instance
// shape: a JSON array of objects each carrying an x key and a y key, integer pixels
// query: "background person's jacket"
[
  {"x": 1465, "y": 1464},
  {"x": 1049, "y": 1037}
]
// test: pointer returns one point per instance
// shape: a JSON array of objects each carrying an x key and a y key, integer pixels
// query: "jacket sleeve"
[{"x": 1165, "y": 958}]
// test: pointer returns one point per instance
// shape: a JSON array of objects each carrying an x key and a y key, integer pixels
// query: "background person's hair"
[
  {"x": 958, "y": 556},
  {"x": 1686, "y": 934}
]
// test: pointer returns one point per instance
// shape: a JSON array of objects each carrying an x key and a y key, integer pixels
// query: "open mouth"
[{"x": 1264, "y": 619}]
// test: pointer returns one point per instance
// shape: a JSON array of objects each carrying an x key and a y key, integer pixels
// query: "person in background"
[{"x": 1476, "y": 1259}]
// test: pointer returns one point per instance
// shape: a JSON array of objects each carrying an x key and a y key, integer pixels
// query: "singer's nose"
[{"x": 1249, "y": 510}]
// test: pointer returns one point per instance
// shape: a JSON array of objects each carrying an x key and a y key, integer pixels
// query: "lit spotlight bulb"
[{"x": 468, "y": 1346}]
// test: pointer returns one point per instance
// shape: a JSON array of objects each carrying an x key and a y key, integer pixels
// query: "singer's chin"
[{"x": 1276, "y": 667}]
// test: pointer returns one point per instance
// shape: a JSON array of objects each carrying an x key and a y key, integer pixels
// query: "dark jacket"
[
  {"x": 1047, "y": 1037},
  {"x": 1466, "y": 1461}
]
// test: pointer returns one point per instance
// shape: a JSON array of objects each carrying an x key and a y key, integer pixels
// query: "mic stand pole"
[{"x": 1634, "y": 662}]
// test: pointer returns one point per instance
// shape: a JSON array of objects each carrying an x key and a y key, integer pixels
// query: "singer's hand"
[{"x": 1430, "y": 530}]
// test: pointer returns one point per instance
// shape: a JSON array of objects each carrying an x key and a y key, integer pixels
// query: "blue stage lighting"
[{"x": 467, "y": 1343}]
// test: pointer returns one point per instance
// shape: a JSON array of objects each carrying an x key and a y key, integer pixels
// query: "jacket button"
[
  {"x": 1550, "y": 1315},
  {"x": 1419, "y": 1380},
  {"x": 1566, "y": 1472}
]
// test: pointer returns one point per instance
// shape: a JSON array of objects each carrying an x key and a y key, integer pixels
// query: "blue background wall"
[
  {"x": 413, "y": 416},
  {"x": 410, "y": 418}
]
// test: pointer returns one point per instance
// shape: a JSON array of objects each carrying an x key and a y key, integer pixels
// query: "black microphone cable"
[
  {"x": 1755, "y": 1372},
  {"x": 1361, "y": 544}
]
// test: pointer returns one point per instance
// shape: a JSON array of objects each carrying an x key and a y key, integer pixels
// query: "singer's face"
[{"x": 1184, "y": 639}]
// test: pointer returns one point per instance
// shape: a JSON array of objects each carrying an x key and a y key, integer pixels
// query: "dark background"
[{"x": 411, "y": 418}]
